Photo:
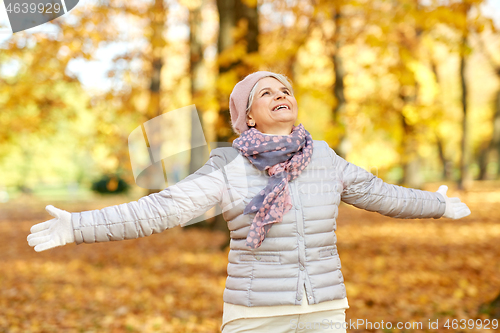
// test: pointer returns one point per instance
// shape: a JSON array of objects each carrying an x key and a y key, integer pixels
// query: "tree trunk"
[
  {"x": 493, "y": 146},
  {"x": 249, "y": 15},
  {"x": 483, "y": 160},
  {"x": 495, "y": 142},
  {"x": 338, "y": 87},
  {"x": 408, "y": 93},
  {"x": 409, "y": 147},
  {"x": 196, "y": 71},
  {"x": 157, "y": 23},
  {"x": 157, "y": 42},
  {"x": 27, "y": 154},
  {"x": 464, "y": 100},
  {"x": 232, "y": 13},
  {"x": 445, "y": 163},
  {"x": 464, "y": 157},
  {"x": 227, "y": 24},
  {"x": 198, "y": 155}
]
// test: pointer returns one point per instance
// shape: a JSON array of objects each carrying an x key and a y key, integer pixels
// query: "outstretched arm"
[
  {"x": 364, "y": 190},
  {"x": 154, "y": 213}
]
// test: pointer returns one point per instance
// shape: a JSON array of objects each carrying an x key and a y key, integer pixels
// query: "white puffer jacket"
[{"x": 301, "y": 250}]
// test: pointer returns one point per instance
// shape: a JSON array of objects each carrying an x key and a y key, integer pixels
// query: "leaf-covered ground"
[{"x": 395, "y": 271}]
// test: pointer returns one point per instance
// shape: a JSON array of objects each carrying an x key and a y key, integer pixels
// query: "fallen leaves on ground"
[{"x": 395, "y": 271}]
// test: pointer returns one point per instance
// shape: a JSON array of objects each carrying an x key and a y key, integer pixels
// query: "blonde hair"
[{"x": 280, "y": 77}]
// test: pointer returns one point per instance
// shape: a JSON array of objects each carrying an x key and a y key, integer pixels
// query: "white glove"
[
  {"x": 52, "y": 233},
  {"x": 455, "y": 209}
]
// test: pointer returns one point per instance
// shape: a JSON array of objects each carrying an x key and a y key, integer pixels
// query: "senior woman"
[{"x": 279, "y": 192}]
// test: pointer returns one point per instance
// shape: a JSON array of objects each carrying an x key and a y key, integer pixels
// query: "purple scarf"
[{"x": 284, "y": 157}]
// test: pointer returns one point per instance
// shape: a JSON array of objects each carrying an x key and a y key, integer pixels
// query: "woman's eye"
[
  {"x": 267, "y": 92},
  {"x": 287, "y": 92}
]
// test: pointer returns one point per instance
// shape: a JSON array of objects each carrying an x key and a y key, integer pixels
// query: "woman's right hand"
[
  {"x": 455, "y": 209},
  {"x": 52, "y": 233}
]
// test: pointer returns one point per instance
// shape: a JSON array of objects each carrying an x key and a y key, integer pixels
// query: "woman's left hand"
[
  {"x": 455, "y": 209},
  {"x": 52, "y": 233}
]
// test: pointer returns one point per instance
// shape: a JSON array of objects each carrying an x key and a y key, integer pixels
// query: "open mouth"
[{"x": 282, "y": 106}]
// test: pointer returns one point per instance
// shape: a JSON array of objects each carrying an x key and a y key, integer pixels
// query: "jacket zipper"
[{"x": 301, "y": 240}]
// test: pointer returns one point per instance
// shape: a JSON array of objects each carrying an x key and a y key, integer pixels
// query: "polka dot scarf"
[{"x": 284, "y": 157}]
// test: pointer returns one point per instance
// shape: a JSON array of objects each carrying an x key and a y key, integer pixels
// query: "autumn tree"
[
  {"x": 33, "y": 102},
  {"x": 238, "y": 37},
  {"x": 463, "y": 22},
  {"x": 198, "y": 81},
  {"x": 464, "y": 50},
  {"x": 492, "y": 146},
  {"x": 334, "y": 11}
]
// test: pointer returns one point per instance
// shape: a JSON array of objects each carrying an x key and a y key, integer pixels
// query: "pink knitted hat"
[{"x": 239, "y": 99}]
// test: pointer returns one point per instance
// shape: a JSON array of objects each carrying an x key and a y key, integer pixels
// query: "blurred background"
[{"x": 407, "y": 89}]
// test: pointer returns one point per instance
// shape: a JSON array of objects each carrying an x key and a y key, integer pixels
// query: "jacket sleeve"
[
  {"x": 175, "y": 205},
  {"x": 364, "y": 190}
]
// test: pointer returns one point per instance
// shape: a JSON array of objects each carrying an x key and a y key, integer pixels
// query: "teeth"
[{"x": 281, "y": 106}]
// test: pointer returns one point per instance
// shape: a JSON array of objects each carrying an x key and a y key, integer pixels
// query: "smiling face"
[{"x": 274, "y": 109}]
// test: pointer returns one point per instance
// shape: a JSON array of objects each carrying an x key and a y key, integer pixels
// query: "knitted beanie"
[{"x": 239, "y": 99}]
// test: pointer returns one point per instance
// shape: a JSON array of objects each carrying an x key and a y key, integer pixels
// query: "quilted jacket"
[{"x": 300, "y": 250}]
